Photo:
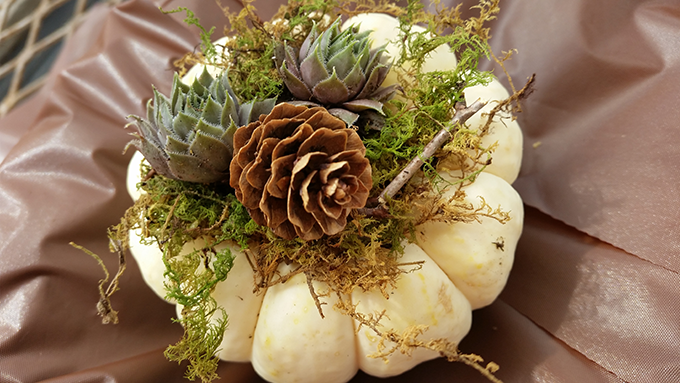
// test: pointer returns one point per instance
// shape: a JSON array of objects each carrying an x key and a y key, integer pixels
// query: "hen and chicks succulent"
[
  {"x": 338, "y": 69},
  {"x": 189, "y": 136}
]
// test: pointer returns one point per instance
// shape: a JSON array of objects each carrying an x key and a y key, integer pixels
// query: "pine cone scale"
[
  {"x": 289, "y": 145},
  {"x": 302, "y": 220},
  {"x": 282, "y": 169},
  {"x": 326, "y": 141},
  {"x": 327, "y": 170},
  {"x": 250, "y": 196},
  {"x": 355, "y": 159}
]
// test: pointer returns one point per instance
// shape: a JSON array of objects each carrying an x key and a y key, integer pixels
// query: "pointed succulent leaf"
[
  {"x": 345, "y": 115},
  {"x": 175, "y": 145},
  {"x": 331, "y": 91},
  {"x": 146, "y": 131},
  {"x": 212, "y": 111},
  {"x": 385, "y": 94},
  {"x": 294, "y": 84},
  {"x": 358, "y": 106},
  {"x": 212, "y": 151},
  {"x": 198, "y": 89},
  {"x": 224, "y": 79},
  {"x": 325, "y": 39},
  {"x": 376, "y": 58},
  {"x": 150, "y": 111},
  {"x": 260, "y": 108},
  {"x": 205, "y": 78},
  {"x": 213, "y": 130},
  {"x": 176, "y": 95},
  {"x": 230, "y": 111},
  {"x": 307, "y": 44},
  {"x": 165, "y": 116},
  {"x": 155, "y": 156},
  {"x": 365, "y": 55},
  {"x": 362, "y": 36},
  {"x": 355, "y": 80},
  {"x": 179, "y": 104},
  {"x": 228, "y": 137},
  {"x": 244, "y": 113},
  {"x": 217, "y": 92},
  {"x": 373, "y": 82},
  {"x": 158, "y": 101},
  {"x": 183, "y": 124},
  {"x": 190, "y": 106},
  {"x": 313, "y": 68},
  {"x": 189, "y": 168},
  {"x": 343, "y": 61},
  {"x": 290, "y": 60},
  {"x": 343, "y": 40}
]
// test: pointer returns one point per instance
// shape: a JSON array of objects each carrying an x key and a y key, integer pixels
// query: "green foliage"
[
  {"x": 301, "y": 15},
  {"x": 171, "y": 214},
  {"x": 238, "y": 227},
  {"x": 429, "y": 98},
  {"x": 252, "y": 72},
  {"x": 207, "y": 47},
  {"x": 191, "y": 280}
]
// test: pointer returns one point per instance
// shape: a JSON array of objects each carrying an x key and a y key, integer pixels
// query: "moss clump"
[{"x": 170, "y": 214}]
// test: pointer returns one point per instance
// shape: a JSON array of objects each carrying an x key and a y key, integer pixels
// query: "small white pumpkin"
[{"x": 466, "y": 265}]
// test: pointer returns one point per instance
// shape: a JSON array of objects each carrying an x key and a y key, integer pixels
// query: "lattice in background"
[{"x": 32, "y": 33}]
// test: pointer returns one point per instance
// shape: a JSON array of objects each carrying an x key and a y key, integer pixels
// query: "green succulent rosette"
[
  {"x": 189, "y": 135},
  {"x": 337, "y": 69}
]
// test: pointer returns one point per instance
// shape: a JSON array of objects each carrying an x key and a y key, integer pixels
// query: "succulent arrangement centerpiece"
[{"x": 319, "y": 196}]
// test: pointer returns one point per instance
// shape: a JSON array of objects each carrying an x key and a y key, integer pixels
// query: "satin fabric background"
[{"x": 594, "y": 295}]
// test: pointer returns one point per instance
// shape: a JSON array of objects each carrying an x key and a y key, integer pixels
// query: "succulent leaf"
[
  {"x": 331, "y": 90},
  {"x": 313, "y": 68}
]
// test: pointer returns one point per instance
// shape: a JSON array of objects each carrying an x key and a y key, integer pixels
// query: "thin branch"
[
  {"x": 315, "y": 296},
  {"x": 444, "y": 135},
  {"x": 437, "y": 142}
]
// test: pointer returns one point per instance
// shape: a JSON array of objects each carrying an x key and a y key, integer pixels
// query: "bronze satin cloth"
[{"x": 594, "y": 295}]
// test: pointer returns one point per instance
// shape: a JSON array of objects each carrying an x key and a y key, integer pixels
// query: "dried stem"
[
  {"x": 437, "y": 142},
  {"x": 444, "y": 135},
  {"x": 104, "y": 309},
  {"x": 315, "y": 296}
]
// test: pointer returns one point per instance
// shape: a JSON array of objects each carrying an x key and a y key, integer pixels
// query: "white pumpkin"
[{"x": 466, "y": 265}]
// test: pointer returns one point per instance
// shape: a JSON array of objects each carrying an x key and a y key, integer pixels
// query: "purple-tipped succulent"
[
  {"x": 190, "y": 135},
  {"x": 337, "y": 69}
]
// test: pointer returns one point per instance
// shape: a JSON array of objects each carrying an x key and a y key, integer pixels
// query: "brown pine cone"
[{"x": 300, "y": 171}]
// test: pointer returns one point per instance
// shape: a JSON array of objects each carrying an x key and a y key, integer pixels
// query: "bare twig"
[
  {"x": 315, "y": 296},
  {"x": 149, "y": 175},
  {"x": 437, "y": 142}
]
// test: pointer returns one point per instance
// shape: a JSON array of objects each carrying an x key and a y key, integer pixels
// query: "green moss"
[
  {"x": 208, "y": 49},
  {"x": 252, "y": 72},
  {"x": 172, "y": 213},
  {"x": 191, "y": 279}
]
